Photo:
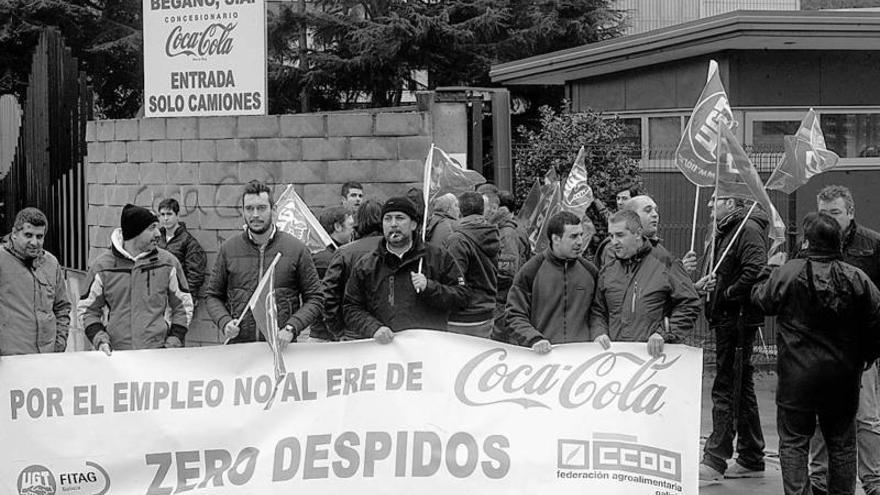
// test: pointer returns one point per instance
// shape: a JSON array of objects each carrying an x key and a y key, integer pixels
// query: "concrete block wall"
[{"x": 203, "y": 162}]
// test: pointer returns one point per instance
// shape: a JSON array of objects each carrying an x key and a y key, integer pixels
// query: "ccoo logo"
[{"x": 36, "y": 480}]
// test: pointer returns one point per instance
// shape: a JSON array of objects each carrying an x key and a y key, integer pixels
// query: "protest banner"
[
  {"x": 204, "y": 57},
  {"x": 430, "y": 413}
]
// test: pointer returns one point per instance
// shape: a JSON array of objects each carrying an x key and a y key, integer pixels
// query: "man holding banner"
[{"x": 241, "y": 263}]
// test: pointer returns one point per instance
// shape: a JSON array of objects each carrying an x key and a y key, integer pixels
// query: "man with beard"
[
  {"x": 34, "y": 309},
  {"x": 640, "y": 289},
  {"x": 241, "y": 263},
  {"x": 735, "y": 322},
  {"x": 404, "y": 283},
  {"x": 136, "y": 282}
]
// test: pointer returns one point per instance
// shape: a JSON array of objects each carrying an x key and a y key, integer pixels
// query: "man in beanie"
[
  {"x": 136, "y": 282},
  {"x": 34, "y": 309},
  {"x": 241, "y": 263},
  {"x": 403, "y": 283}
]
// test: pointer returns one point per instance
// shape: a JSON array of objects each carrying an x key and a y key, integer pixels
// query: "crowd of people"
[{"x": 471, "y": 270}]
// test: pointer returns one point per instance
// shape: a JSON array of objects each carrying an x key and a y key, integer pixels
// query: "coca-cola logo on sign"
[
  {"x": 213, "y": 40},
  {"x": 621, "y": 380}
]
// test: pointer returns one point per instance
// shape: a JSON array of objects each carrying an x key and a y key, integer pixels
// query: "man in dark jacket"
[
  {"x": 861, "y": 248},
  {"x": 404, "y": 283},
  {"x": 241, "y": 263},
  {"x": 444, "y": 214},
  {"x": 735, "y": 323},
  {"x": 174, "y": 238},
  {"x": 639, "y": 290},
  {"x": 474, "y": 246},
  {"x": 549, "y": 302},
  {"x": 34, "y": 309},
  {"x": 828, "y": 315},
  {"x": 514, "y": 253},
  {"x": 338, "y": 222},
  {"x": 369, "y": 227}
]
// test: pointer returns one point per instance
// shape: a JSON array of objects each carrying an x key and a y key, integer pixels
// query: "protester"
[
  {"x": 625, "y": 194},
  {"x": 491, "y": 201},
  {"x": 828, "y": 316},
  {"x": 417, "y": 196},
  {"x": 35, "y": 308},
  {"x": 639, "y": 289},
  {"x": 735, "y": 322},
  {"x": 352, "y": 194},
  {"x": 338, "y": 221},
  {"x": 241, "y": 263},
  {"x": 861, "y": 248},
  {"x": 549, "y": 302},
  {"x": 474, "y": 245},
  {"x": 515, "y": 251},
  {"x": 403, "y": 283},
  {"x": 444, "y": 214},
  {"x": 649, "y": 216},
  {"x": 332, "y": 327},
  {"x": 135, "y": 283},
  {"x": 176, "y": 239}
]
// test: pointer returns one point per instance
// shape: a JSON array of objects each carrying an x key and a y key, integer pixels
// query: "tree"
[
  {"x": 368, "y": 51},
  {"x": 556, "y": 143}
]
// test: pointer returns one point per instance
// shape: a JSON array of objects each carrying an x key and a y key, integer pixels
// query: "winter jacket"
[
  {"x": 550, "y": 299},
  {"x": 514, "y": 253},
  {"x": 861, "y": 248},
  {"x": 828, "y": 315},
  {"x": 440, "y": 225},
  {"x": 136, "y": 291},
  {"x": 322, "y": 259},
  {"x": 634, "y": 295},
  {"x": 332, "y": 326},
  {"x": 474, "y": 245},
  {"x": 190, "y": 254},
  {"x": 739, "y": 270},
  {"x": 380, "y": 291},
  {"x": 34, "y": 307},
  {"x": 241, "y": 264}
]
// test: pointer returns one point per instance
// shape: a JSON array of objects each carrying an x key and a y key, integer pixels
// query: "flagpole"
[
  {"x": 253, "y": 300},
  {"x": 732, "y": 240},
  {"x": 696, "y": 210},
  {"x": 426, "y": 191},
  {"x": 714, "y": 209}
]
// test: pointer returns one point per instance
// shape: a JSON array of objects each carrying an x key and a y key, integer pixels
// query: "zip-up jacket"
[
  {"x": 440, "y": 226},
  {"x": 241, "y": 263},
  {"x": 829, "y": 326},
  {"x": 332, "y": 327},
  {"x": 861, "y": 248},
  {"x": 380, "y": 290},
  {"x": 34, "y": 307},
  {"x": 136, "y": 291},
  {"x": 474, "y": 245},
  {"x": 550, "y": 299},
  {"x": 190, "y": 254},
  {"x": 514, "y": 253},
  {"x": 634, "y": 295}
]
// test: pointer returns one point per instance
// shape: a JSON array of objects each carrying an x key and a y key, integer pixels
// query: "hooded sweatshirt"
[{"x": 474, "y": 245}]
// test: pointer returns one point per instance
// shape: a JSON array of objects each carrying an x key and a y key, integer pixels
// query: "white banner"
[
  {"x": 204, "y": 57},
  {"x": 430, "y": 413}
]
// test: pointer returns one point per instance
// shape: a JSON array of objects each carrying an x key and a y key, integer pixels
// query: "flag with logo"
[
  {"x": 442, "y": 175},
  {"x": 805, "y": 156},
  {"x": 295, "y": 218},
  {"x": 738, "y": 178},
  {"x": 695, "y": 155},
  {"x": 576, "y": 192}
]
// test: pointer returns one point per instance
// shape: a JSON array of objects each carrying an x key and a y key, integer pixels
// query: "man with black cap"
[
  {"x": 404, "y": 283},
  {"x": 136, "y": 282}
]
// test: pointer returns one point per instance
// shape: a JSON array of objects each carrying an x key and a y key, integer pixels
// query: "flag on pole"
[
  {"x": 805, "y": 156},
  {"x": 738, "y": 178},
  {"x": 577, "y": 193},
  {"x": 295, "y": 218},
  {"x": 442, "y": 175},
  {"x": 695, "y": 155},
  {"x": 263, "y": 307}
]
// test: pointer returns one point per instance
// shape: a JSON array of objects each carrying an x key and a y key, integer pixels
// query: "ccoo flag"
[
  {"x": 805, "y": 156},
  {"x": 577, "y": 193},
  {"x": 738, "y": 178},
  {"x": 295, "y": 218},
  {"x": 695, "y": 155}
]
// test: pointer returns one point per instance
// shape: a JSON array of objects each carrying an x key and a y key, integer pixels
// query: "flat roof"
[{"x": 737, "y": 30}]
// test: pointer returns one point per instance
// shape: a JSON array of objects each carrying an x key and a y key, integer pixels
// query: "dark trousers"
[
  {"x": 729, "y": 420},
  {"x": 795, "y": 430}
]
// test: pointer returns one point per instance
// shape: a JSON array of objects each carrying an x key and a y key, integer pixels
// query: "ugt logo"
[{"x": 36, "y": 480}]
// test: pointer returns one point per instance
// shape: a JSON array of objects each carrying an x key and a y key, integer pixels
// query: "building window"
[
  {"x": 852, "y": 135},
  {"x": 664, "y": 133},
  {"x": 769, "y": 135}
]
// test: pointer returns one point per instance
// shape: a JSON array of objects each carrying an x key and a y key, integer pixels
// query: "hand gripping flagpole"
[{"x": 253, "y": 300}]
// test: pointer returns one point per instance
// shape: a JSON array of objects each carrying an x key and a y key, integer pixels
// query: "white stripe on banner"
[{"x": 430, "y": 413}]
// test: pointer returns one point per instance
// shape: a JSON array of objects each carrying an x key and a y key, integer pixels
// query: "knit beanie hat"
[
  {"x": 400, "y": 204},
  {"x": 135, "y": 220}
]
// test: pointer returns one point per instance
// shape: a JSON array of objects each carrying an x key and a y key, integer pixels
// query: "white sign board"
[
  {"x": 431, "y": 413},
  {"x": 204, "y": 57}
]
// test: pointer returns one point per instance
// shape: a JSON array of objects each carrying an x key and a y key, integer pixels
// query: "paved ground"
[{"x": 765, "y": 389}]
